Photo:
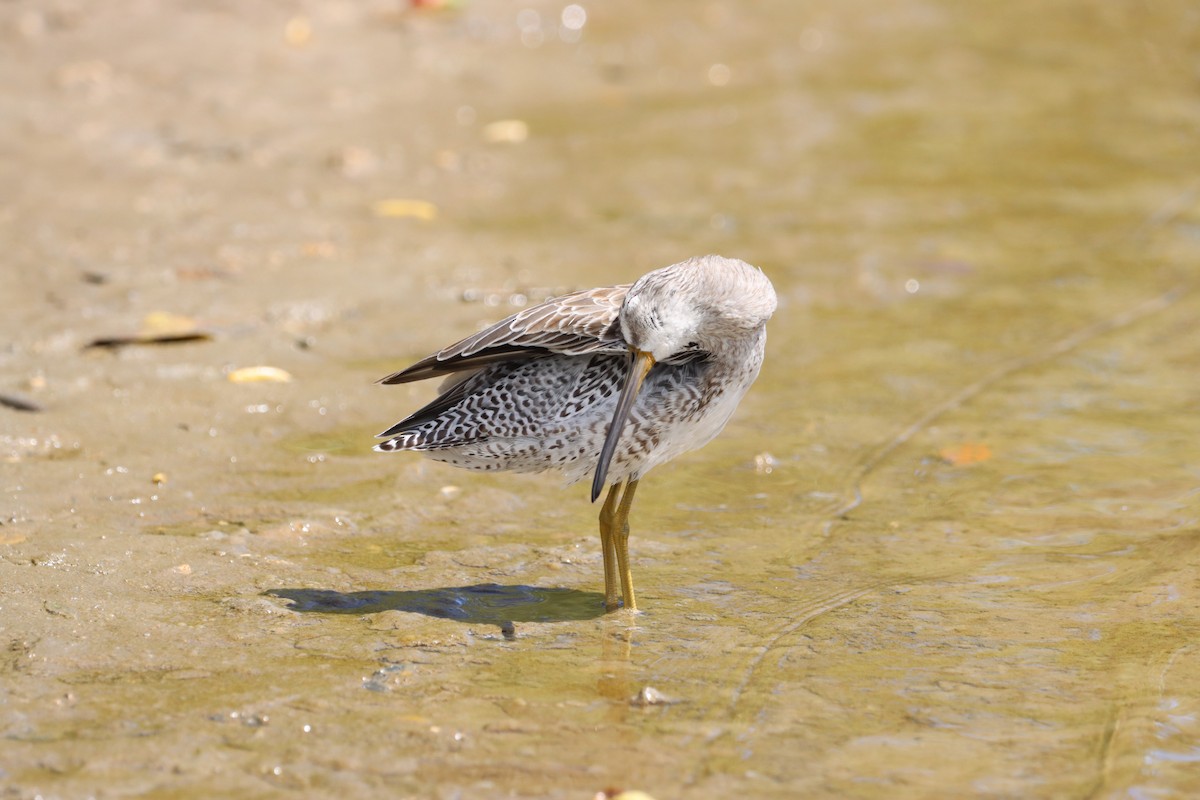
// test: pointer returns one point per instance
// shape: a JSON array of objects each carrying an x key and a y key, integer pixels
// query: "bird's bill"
[{"x": 639, "y": 367}]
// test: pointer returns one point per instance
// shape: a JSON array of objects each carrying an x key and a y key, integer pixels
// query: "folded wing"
[{"x": 579, "y": 323}]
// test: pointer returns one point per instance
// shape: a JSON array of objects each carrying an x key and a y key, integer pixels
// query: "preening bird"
[{"x": 607, "y": 382}]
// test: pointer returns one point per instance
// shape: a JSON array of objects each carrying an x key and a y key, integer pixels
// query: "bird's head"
[{"x": 695, "y": 306}]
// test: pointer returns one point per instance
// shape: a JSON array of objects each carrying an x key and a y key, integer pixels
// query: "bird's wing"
[{"x": 579, "y": 323}]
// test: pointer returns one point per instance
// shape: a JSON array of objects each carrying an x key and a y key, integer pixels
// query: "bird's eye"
[{"x": 692, "y": 345}]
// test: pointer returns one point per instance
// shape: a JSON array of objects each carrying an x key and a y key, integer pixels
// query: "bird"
[{"x": 609, "y": 382}]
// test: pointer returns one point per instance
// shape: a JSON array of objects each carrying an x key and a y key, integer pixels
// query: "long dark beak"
[{"x": 639, "y": 367}]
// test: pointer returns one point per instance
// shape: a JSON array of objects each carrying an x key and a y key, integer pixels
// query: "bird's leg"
[
  {"x": 608, "y": 546},
  {"x": 621, "y": 536}
]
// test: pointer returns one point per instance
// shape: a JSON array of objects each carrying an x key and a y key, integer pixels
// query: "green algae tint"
[{"x": 982, "y": 224}]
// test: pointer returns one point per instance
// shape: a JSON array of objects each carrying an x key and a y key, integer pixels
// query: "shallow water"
[{"x": 947, "y": 547}]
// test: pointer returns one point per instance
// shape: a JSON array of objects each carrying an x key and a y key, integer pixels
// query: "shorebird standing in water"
[{"x": 611, "y": 381}]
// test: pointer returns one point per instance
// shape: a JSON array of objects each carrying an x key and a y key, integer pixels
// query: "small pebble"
[{"x": 649, "y": 696}]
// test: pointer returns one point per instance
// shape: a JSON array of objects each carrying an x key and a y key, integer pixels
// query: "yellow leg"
[
  {"x": 621, "y": 535},
  {"x": 608, "y": 547}
]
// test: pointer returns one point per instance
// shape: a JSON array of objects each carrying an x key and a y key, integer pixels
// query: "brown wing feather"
[{"x": 573, "y": 324}]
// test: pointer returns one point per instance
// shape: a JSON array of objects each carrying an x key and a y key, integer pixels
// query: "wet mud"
[{"x": 947, "y": 547}]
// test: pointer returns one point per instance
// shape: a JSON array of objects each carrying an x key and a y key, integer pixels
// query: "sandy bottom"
[{"x": 947, "y": 547}]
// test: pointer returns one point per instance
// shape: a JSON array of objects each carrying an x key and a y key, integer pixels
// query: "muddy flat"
[{"x": 948, "y": 545}]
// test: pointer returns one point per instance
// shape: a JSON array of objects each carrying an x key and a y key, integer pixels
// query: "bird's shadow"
[{"x": 485, "y": 603}]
